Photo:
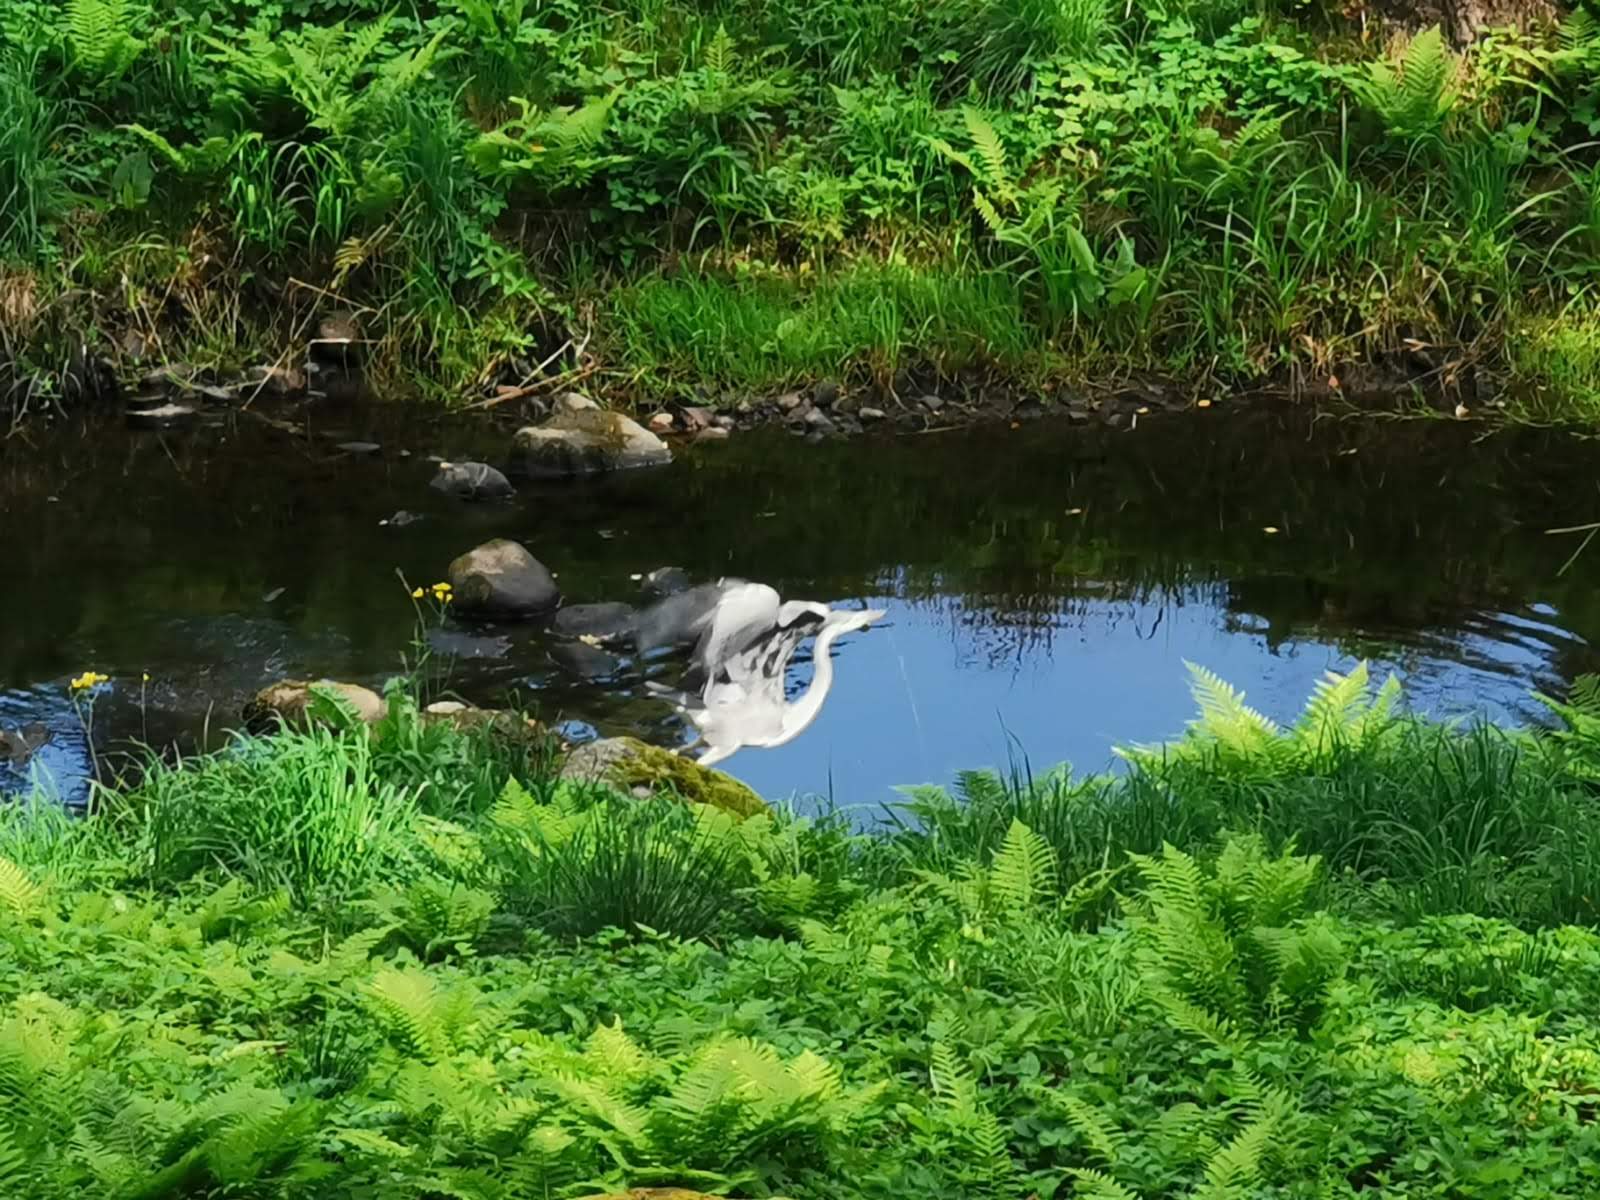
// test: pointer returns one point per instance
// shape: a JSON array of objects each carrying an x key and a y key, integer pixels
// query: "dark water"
[{"x": 218, "y": 559}]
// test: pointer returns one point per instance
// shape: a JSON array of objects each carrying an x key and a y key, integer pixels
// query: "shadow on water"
[{"x": 1043, "y": 585}]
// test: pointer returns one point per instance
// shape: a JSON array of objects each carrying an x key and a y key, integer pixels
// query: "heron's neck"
[{"x": 803, "y": 711}]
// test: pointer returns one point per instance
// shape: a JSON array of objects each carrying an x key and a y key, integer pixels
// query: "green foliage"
[
  {"x": 553, "y": 991},
  {"x": 1343, "y": 715},
  {"x": 1228, "y": 951},
  {"x": 99, "y": 39},
  {"x": 1416, "y": 98},
  {"x": 1173, "y": 187}
]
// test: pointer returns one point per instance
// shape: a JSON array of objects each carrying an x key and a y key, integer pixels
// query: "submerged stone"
[
  {"x": 627, "y": 764},
  {"x": 472, "y": 481},
  {"x": 610, "y": 622}
]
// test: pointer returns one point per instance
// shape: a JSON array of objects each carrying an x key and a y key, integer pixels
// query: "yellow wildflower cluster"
[
  {"x": 88, "y": 680},
  {"x": 441, "y": 593}
]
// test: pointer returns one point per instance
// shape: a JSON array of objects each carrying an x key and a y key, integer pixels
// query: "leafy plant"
[
  {"x": 1415, "y": 98},
  {"x": 1232, "y": 950},
  {"x": 100, "y": 39},
  {"x": 1344, "y": 714}
]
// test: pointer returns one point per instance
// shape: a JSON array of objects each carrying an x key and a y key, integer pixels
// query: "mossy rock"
[
  {"x": 504, "y": 725},
  {"x": 295, "y": 702},
  {"x": 631, "y": 765}
]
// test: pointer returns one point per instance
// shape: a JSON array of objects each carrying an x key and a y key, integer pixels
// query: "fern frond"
[
  {"x": 1106, "y": 1141},
  {"x": 991, "y": 153},
  {"x": 19, "y": 894},
  {"x": 1234, "y": 1171},
  {"x": 952, "y": 1082},
  {"x": 407, "y": 1001},
  {"x": 1336, "y": 701},
  {"x": 719, "y": 54},
  {"x": 1096, "y": 1185},
  {"x": 1024, "y": 871},
  {"x": 1224, "y": 716},
  {"x": 616, "y": 1055}
]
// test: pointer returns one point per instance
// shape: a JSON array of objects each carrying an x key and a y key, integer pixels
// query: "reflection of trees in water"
[{"x": 1013, "y": 623}]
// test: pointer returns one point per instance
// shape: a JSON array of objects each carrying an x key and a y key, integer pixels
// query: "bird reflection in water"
[{"x": 745, "y": 637}]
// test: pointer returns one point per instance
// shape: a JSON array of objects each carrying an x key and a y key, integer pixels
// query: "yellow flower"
[
  {"x": 443, "y": 589},
  {"x": 88, "y": 680},
  {"x": 145, "y": 678},
  {"x": 417, "y": 594}
]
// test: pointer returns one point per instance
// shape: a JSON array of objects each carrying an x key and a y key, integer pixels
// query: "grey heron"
[
  {"x": 721, "y": 620},
  {"x": 743, "y": 701}
]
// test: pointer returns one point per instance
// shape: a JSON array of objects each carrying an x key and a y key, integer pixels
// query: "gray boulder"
[
  {"x": 472, "y": 481},
  {"x": 501, "y": 579},
  {"x": 602, "y": 622},
  {"x": 580, "y": 438},
  {"x": 586, "y": 661}
]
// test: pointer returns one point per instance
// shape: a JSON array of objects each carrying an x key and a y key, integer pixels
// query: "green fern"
[
  {"x": 1024, "y": 871},
  {"x": 1230, "y": 736},
  {"x": 406, "y": 1000},
  {"x": 1233, "y": 950},
  {"x": 19, "y": 894},
  {"x": 1415, "y": 100},
  {"x": 553, "y": 149},
  {"x": 98, "y": 37},
  {"x": 1097, "y": 1185},
  {"x": 719, "y": 53},
  {"x": 1104, "y": 1140}
]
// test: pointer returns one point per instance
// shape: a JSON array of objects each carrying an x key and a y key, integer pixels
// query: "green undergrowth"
[
  {"x": 743, "y": 196},
  {"x": 1352, "y": 956}
]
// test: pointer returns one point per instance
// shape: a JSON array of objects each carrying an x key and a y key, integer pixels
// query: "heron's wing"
[
  {"x": 767, "y": 658},
  {"x": 745, "y": 613},
  {"x": 791, "y": 612}
]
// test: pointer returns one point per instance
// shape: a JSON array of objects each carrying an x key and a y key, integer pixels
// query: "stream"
[{"x": 1044, "y": 585}]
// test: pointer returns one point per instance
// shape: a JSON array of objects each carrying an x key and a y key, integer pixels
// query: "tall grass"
[
  {"x": 307, "y": 811},
  {"x": 34, "y": 178},
  {"x": 1432, "y": 821},
  {"x": 761, "y": 333}
]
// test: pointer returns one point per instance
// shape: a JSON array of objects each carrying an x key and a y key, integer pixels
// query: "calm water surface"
[{"x": 1044, "y": 585}]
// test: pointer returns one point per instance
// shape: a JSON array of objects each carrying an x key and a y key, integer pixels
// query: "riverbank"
[
  {"x": 1357, "y": 954},
  {"x": 670, "y": 206}
]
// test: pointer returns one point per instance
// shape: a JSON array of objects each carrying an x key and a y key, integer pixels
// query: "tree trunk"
[{"x": 1465, "y": 21}]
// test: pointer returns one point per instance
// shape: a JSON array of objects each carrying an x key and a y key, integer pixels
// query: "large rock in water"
[
  {"x": 501, "y": 579},
  {"x": 583, "y": 439},
  {"x": 631, "y": 766},
  {"x": 293, "y": 702}
]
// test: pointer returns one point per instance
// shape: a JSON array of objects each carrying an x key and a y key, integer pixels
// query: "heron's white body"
[
  {"x": 745, "y": 705},
  {"x": 744, "y": 641}
]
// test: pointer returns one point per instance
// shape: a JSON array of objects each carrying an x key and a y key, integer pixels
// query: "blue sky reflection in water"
[
  {"x": 928, "y": 693},
  {"x": 1043, "y": 586}
]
